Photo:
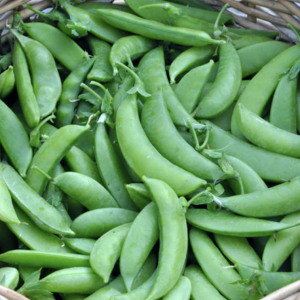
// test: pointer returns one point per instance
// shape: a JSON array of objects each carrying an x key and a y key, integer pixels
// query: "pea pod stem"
[{"x": 87, "y": 88}]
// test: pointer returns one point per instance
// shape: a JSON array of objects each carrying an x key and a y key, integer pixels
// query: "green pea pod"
[
  {"x": 51, "y": 153},
  {"x": 138, "y": 150},
  {"x": 9, "y": 277},
  {"x": 190, "y": 58},
  {"x": 34, "y": 237},
  {"x": 91, "y": 6},
  {"x": 249, "y": 40},
  {"x": 139, "y": 194},
  {"x": 82, "y": 246},
  {"x": 129, "y": 48},
  {"x": 7, "y": 82},
  {"x": 295, "y": 259},
  {"x": 238, "y": 250},
  {"x": 43, "y": 214},
  {"x": 80, "y": 280},
  {"x": 138, "y": 244},
  {"x": 63, "y": 48},
  {"x": 95, "y": 223},
  {"x": 70, "y": 91},
  {"x": 202, "y": 288},
  {"x": 102, "y": 70},
  {"x": 181, "y": 291},
  {"x": 107, "y": 250},
  {"x": 45, "y": 78},
  {"x": 173, "y": 237},
  {"x": 64, "y": 213},
  {"x": 15, "y": 145},
  {"x": 164, "y": 136},
  {"x": 45, "y": 260},
  {"x": 155, "y": 30}
]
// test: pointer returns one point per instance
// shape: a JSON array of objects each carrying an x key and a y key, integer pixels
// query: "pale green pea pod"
[
  {"x": 9, "y": 277},
  {"x": 82, "y": 246},
  {"x": 107, "y": 250},
  {"x": 139, "y": 194},
  {"x": 7, "y": 82},
  {"x": 181, "y": 291}
]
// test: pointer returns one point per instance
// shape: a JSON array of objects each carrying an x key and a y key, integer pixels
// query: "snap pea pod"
[
  {"x": 295, "y": 262},
  {"x": 139, "y": 194},
  {"x": 51, "y": 153},
  {"x": 63, "y": 48},
  {"x": 91, "y": 6},
  {"x": 44, "y": 259},
  {"x": 238, "y": 250},
  {"x": 202, "y": 288},
  {"x": 43, "y": 214},
  {"x": 81, "y": 280},
  {"x": 82, "y": 246},
  {"x": 129, "y": 48},
  {"x": 173, "y": 237},
  {"x": 70, "y": 91},
  {"x": 94, "y": 223},
  {"x": 264, "y": 83},
  {"x": 16, "y": 146},
  {"x": 224, "y": 222},
  {"x": 155, "y": 30},
  {"x": 9, "y": 277},
  {"x": 45, "y": 78},
  {"x": 181, "y": 291},
  {"x": 138, "y": 150},
  {"x": 102, "y": 69},
  {"x": 249, "y": 40},
  {"x": 7, "y": 82}
]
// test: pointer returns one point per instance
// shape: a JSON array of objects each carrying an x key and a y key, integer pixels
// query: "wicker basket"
[{"x": 252, "y": 14}]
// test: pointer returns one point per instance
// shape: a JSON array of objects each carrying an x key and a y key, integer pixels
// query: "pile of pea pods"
[{"x": 148, "y": 151}]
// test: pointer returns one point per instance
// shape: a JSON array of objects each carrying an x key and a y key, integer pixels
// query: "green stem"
[
  {"x": 219, "y": 16},
  {"x": 99, "y": 85},
  {"x": 91, "y": 91},
  {"x": 194, "y": 133},
  {"x": 201, "y": 147},
  {"x": 43, "y": 173}
]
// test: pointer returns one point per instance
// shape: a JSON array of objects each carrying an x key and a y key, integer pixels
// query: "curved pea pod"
[
  {"x": 43, "y": 214},
  {"x": 80, "y": 280},
  {"x": 9, "y": 277},
  {"x": 45, "y": 78},
  {"x": 82, "y": 246},
  {"x": 214, "y": 264},
  {"x": 224, "y": 222},
  {"x": 129, "y": 48},
  {"x": 164, "y": 136},
  {"x": 238, "y": 250},
  {"x": 51, "y": 153},
  {"x": 111, "y": 169},
  {"x": 95, "y": 223},
  {"x": 91, "y": 6},
  {"x": 34, "y": 237},
  {"x": 138, "y": 151},
  {"x": 248, "y": 40},
  {"x": 44, "y": 259},
  {"x": 202, "y": 288},
  {"x": 7, "y": 82},
  {"x": 63, "y": 48},
  {"x": 17, "y": 145},
  {"x": 181, "y": 291},
  {"x": 173, "y": 237},
  {"x": 139, "y": 194},
  {"x": 138, "y": 244},
  {"x": 280, "y": 246},
  {"x": 107, "y": 250}
]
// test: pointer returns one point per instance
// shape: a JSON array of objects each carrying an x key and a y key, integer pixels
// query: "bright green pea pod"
[
  {"x": 283, "y": 108},
  {"x": 282, "y": 244},
  {"x": 265, "y": 135},
  {"x": 107, "y": 250},
  {"x": 7, "y": 82},
  {"x": 43, "y": 214},
  {"x": 70, "y": 90},
  {"x": 138, "y": 150},
  {"x": 44, "y": 259},
  {"x": 181, "y": 291},
  {"x": 16, "y": 145},
  {"x": 138, "y": 244},
  {"x": 214, "y": 264},
  {"x": 82, "y": 246},
  {"x": 139, "y": 194},
  {"x": 248, "y": 40},
  {"x": 164, "y": 136},
  {"x": 80, "y": 280},
  {"x": 51, "y": 153},
  {"x": 9, "y": 277},
  {"x": 224, "y": 222},
  {"x": 26, "y": 271},
  {"x": 102, "y": 70},
  {"x": 190, "y": 87},
  {"x": 95, "y": 223},
  {"x": 129, "y": 48},
  {"x": 173, "y": 237},
  {"x": 238, "y": 250},
  {"x": 35, "y": 238},
  {"x": 63, "y": 48},
  {"x": 202, "y": 289},
  {"x": 91, "y": 6},
  {"x": 295, "y": 259},
  {"x": 45, "y": 78},
  {"x": 190, "y": 58}
]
